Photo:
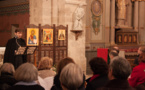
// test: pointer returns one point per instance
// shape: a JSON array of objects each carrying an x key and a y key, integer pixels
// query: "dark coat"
[
  {"x": 136, "y": 62},
  {"x": 26, "y": 87},
  {"x": 97, "y": 82},
  {"x": 56, "y": 83},
  {"x": 11, "y": 46},
  {"x": 6, "y": 80},
  {"x": 140, "y": 87},
  {"x": 117, "y": 84}
]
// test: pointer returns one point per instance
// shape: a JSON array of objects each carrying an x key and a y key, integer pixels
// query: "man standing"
[{"x": 11, "y": 47}]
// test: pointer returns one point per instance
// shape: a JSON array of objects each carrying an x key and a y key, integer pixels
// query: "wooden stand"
[
  {"x": 33, "y": 55},
  {"x": 77, "y": 33},
  {"x": 35, "y": 62},
  {"x": 57, "y": 50}
]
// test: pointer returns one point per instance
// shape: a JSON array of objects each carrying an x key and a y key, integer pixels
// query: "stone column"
[
  {"x": 61, "y": 10},
  {"x": 76, "y": 48},
  {"x": 35, "y": 11},
  {"x": 107, "y": 22},
  {"x": 129, "y": 15},
  {"x": 46, "y": 12},
  {"x": 136, "y": 12},
  {"x": 88, "y": 23},
  {"x": 40, "y": 12},
  {"x": 55, "y": 12},
  {"x": 112, "y": 22},
  {"x": 141, "y": 22}
]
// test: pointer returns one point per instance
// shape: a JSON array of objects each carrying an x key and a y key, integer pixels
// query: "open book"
[{"x": 25, "y": 50}]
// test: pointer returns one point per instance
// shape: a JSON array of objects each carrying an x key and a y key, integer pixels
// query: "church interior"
[{"x": 80, "y": 29}]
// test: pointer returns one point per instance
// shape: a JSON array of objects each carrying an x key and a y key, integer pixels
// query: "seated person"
[
  {"x": 26, "y": 75},
  {"x": 141, "y": 49},
  {"x": 113, "y": 54},
  {"x": 116, "y": 49},
  {"x": 138, "y": 73},
  {"x": 100, "y": 74},
  {"x": 119, "y": 70},
  {"x": 140, "y": 86},
  {"x": 71, "y": 77},
  {"x": 46, "y": 75},
  {"x": 60, "y": 66},
  {"x": 44, "y": 67},
  {"x": 6, "y": 76}
]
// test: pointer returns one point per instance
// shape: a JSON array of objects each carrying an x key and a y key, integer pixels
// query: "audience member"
[
  {"x": 116, "y": 49},
  {"x": 138, "y": 73},
  {"x": 113, "y": 54},
  {"x": 71, "y": 77},
  {"x": 100, "y": 74},
  {"x": 60, "y": 66},
  {"x": 140, "y": 86},
  {"x": 45, "y": 73},
  {"x": 44, "y": 67},
  {"x": 119, "y": 70},
  {"x": 26, "y": 75},
  {"x": 140, "y": 50},
  {"x": 6, "y": 76}
]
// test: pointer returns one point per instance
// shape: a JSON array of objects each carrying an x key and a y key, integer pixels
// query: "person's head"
[
  {"x": 81, "y": 4},
  {"x": 71, "y": 77},
  {"x": 141, "y": 50},
  {"x": 32, "y": 32},
  {"x": 116, "y": 49},
  {"x": 27, "y": 72},
  {"x": 98, "y": 66},
  {"x": 7, "y": 68},
  {"x": 63, "y": 63},
  {"x": 18, "y": 33},
  {"x": 142, "y": 57},
  {"x": 113, "y": 53},
  {"x": 45, "y": 63},
  {"x": 119, "y": 68}
]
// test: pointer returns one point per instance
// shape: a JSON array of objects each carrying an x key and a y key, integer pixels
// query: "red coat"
[{"x": 138, "y": 75}]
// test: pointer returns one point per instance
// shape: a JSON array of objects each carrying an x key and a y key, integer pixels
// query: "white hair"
[{"x": 71, "y": 76}]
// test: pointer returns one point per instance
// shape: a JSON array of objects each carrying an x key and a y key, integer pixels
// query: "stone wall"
[
  {"x": 60, "y": 12},
  {"x": 76, "y": 48},
  {"x": 14, "y": 12}
]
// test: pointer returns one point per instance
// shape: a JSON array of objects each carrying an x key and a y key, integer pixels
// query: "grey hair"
[
  {"x": 27, "y": 72},
  {"x": 121, "y": 68},
  {"x": 71, "y": 76},
  {"x": 7, "y": 68}
]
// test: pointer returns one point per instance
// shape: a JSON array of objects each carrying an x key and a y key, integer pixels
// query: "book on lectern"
[
  {"x": 20, "y": 51},
  {"x": 25, "y": 50}
]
